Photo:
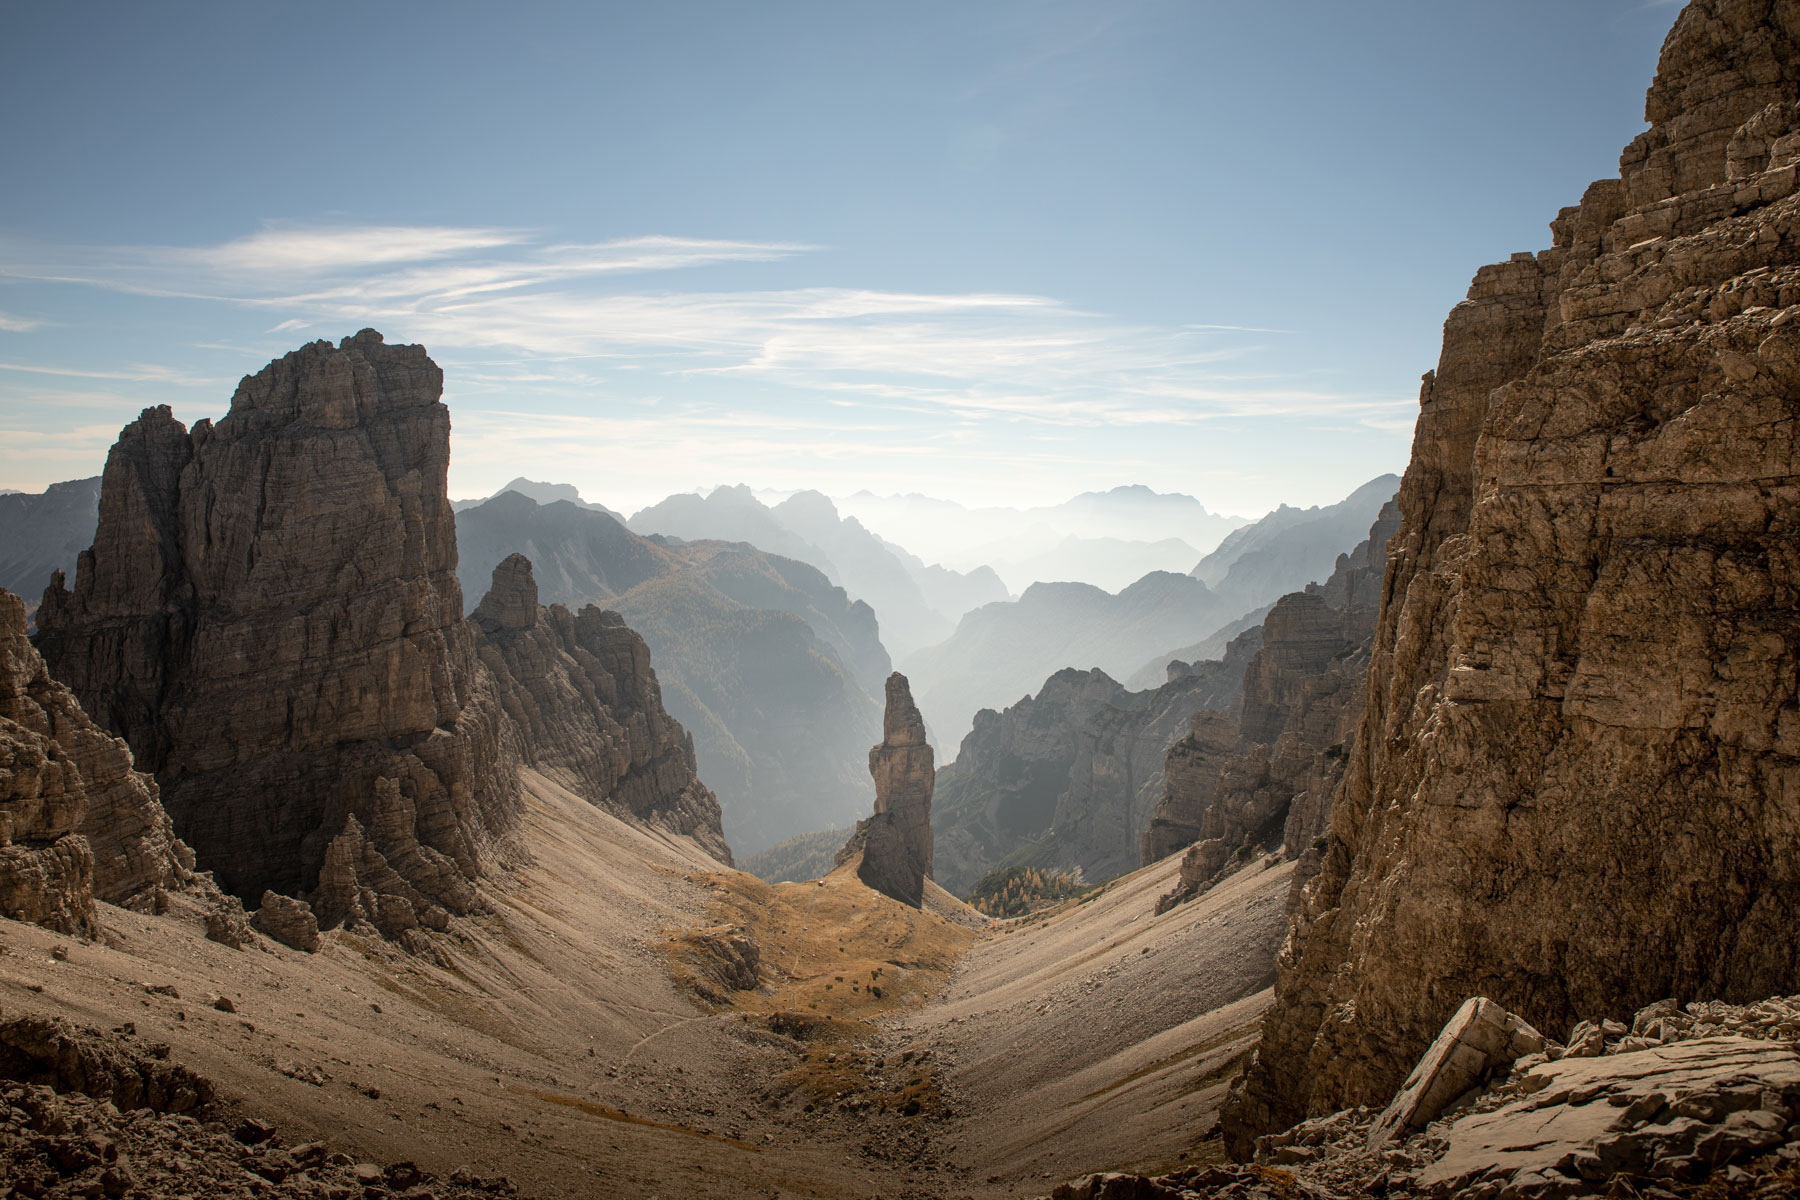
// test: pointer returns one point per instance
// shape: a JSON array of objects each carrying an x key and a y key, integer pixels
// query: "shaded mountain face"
[
  {"x": 45, "y": 532},
  {"x": 1291, "y": 547},
  {"x": 1263, "y": 776},
  {"x": 270, "y": 616},
  {"x": 770, "y": 667},
  {"x": 1067, "y": 778},
  {"x": 1007, "y": 649},
  {"x": 1582, "y": 710}
]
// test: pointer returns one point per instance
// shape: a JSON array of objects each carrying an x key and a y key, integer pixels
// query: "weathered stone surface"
[
  {"x": 77, "y": 823},
  {"x": 895, "y": 844},
  {"x": 270, "y": 616},
  {"x": 1479, "y": 1038},
  {"x": 1076, "y": 769},
  {"x": 1001, "y": 791},
  {"x": 1702, "y": 1100},
  {"x": 588, "y": 712},
  {"x": 289, "y": 921},
  {"x": 1116, "y": 779},
  {"x": 1582, "y": 718},
  {"x": 1236, "y": 788}
]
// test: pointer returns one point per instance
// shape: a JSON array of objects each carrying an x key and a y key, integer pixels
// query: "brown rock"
[
  {"x": 77, "y": 823},
  {"x": 1574, "y": 788},
  {"x": 1266, "y": 780},
  {"x": 270, "y": 615},
  {"x": 895, "y": 844},
  {"x": 588, "y": 711},
  {"x": 288, "y": 921}
]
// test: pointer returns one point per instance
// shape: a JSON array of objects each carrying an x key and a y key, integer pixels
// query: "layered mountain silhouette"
[{"x": 772, "y": 668}]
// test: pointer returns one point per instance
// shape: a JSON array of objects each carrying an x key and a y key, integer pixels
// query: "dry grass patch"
[{"x": 834, "y": 957}]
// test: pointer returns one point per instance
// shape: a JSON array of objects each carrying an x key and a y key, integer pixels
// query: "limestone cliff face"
[
  {"x": 896, "y": 843},
  {"x": 1116, "y": 777},
  {"x": 1001, "y": 791},
  {"x": 270, "y": 616},
  {"x": 581, "y": 693},
  {"x": 76, "y": 821},
  {"x": 1266, "y": 779},
  {"x": 1576, "y": 786}
]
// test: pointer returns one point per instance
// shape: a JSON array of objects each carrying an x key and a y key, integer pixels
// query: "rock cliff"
[
  {"x": 895, "y": 843},
  {"x": 270, "y": 616},
  {"x": 1067, "y": 779},
  {"x": 1001, "y": 791},
  {"x": 1575, "y": 784},
  {"x": 77, "y": 823},
  {"x": 1265, "y": 779},
  {"x": 589, "y": 713}
]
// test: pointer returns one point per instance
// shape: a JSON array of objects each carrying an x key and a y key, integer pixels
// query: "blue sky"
[{"x": 999, "y": 252}]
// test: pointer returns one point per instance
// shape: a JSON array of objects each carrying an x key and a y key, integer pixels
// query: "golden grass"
[{"x": 836, "y": 957}]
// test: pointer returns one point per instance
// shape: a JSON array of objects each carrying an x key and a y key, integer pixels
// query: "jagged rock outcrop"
[
  {"x": 895, "y": 844},
  {"x": 1191, "y": 771},
  {"x": 1237, "y": 787},
  {"x": 1066, "y": 779},
  {"x": 589, "y": 714},
  {"x": 1001, "y": 791},
  {"x": 270, "y": 616},
  {"x": 77, "y": 823},
  {"x": 1577, "y": 779},
  {"x": 1116, "y": 779}
]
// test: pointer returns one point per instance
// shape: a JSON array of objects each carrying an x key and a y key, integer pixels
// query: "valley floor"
[{"x": 551, "y": 1043}]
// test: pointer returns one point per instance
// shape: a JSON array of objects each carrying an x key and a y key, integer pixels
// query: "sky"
[{"x": 997, "y": 252}]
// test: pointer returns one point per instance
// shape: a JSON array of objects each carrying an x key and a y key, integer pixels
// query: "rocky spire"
[
  {"x": 896, "y": 843},
  {"x": 270, "y": 615},
  {"x": 587, "y": 710}
]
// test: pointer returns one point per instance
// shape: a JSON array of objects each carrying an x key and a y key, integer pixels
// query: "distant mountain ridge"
[
  {"x": 1002, "y": 651},
  {"x": 807, "y": 527},
  {"x": 762, "y": 659},
  {"x": 965, "y": 537},
  {"x": 44, "y": 532}
]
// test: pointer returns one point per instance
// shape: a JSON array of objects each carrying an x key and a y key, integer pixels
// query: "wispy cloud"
[
  {"x": 12, "y": 324},
  {"x": 496, "y": 293}
]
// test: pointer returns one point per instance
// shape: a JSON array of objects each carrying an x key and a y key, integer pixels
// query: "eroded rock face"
[
  {"x": 587, "y": 708},
  {"x": 1235, "y": 788},
  {"x": 77, "y": 823},
  {"x": 896, "y": 842},
  {"x": 1582, "y": 718},
  {"x": 270, "y": 616}
]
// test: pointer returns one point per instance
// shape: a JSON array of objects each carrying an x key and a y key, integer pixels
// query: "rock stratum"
[
  {"x": 270, "y": 616},
  {"x": 1576, "y": 784}
]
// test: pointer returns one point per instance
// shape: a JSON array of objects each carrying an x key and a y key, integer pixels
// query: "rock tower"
[{"x": 895, "y": 843}]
